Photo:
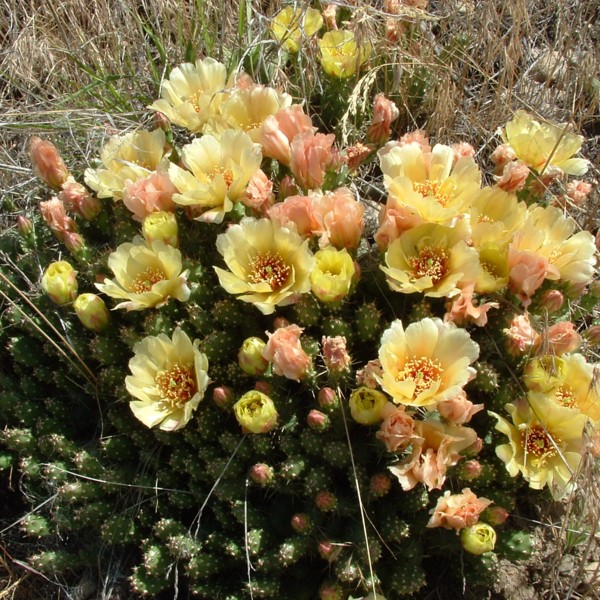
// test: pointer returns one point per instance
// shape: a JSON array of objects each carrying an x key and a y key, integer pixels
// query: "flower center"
[
  {"x": 194, "y": 100},
  {"x": 145, "y": 280},
  {"x": 176, "y": 385},
  {"x": 431, "y": 262},
  {"x": 565, "y": 396},
  {"x": 423, "y": 371},
  {"x": 537, "y": 442},
  {"x": 269, "y": 268},
  {"x": 432, "y": 189}
]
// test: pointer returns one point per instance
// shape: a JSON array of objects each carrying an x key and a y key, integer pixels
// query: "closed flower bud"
[
  {"x": 380, "y": 484},
  {"x": 60, "y": 282},
  {"x": 263, "y": 386},
  {"x": 329, "y": 550},
  {"x": 495, "y": 515},
  {"x": 250, "y": 357},
  {"x": 317, "y": 420},
  {"x": 366, "y": 405},
  {"x": 261, "y": 473},
  {"x": 161, "y": 225},
  {"x": 327, "y": 398},
  {"x": 92, "y": 312},
  {"x": 552, "y": 300},
  {"x": 478, "y": 539},
  {"x": 301, "y": 523},
  {"x": 326, "y": 501},
  {"x": 25, "y": 226},
  {"x": 592, "y": 335},
  {"x": 47, "y": 163},
  {"x": 470, "y": 470},
  {"x": 222, "y": 396},
  {"x": 76, "y": 198},
  {"x": 331, "y": 591},
  {"x": 255, "y": 412}
]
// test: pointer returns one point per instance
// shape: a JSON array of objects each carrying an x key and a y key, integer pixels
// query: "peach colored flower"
[
  {"x": 47, "y": 162},
  {"x": 340, "y": 215},
  {"x": 459, "y": 409},
  {"x": 462, "y": 149},
  {"x": 297, "y": 211},
  {"x": 357, "y": 154},
  {"x": 527, "y": 271},
  {"x": 457, "y": 511},
  {"x": 394, "y": 220},
  {"x": 285, "y": 352},
  {"x": 150, "y": 194},
  {"x": 521, "y": 336},
  {"x": 368, "y": 376},
  {"x": 514, "y": 176},
  {"x": 278, "y": 130},
  {"x": 561, "y": 338},
  {"x": 462, "y": 309},
  {"x": 55, "y": 215},
  {"x": 76, "y": 198},
  {"x": 578, "y": 191},
  {"x": 397, "y": 430},
  {"x": 259, "y": 193},
  {"x": 335, "y": 353},
  {"x": 311, "y": 155},
  {"x": 384, "y": 112},
  {"x": 502, "y": 156}
]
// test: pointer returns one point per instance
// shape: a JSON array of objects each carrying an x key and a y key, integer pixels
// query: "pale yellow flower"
[
  {"x": 427, "y": 363},
  {"x": 219, "y": 172},
  {"x": 146, "y": 276},
  {"x": 545, "y": 442},
  {"x": 246, "y": 109},
  {"x": 193, "y": 93},
  {"x": 169, "y": 378},
  {"x": 60, "y": 282},
  {"x": 268, "y": 265},
  {"x": 366, "y": 405},
  {"x": 332, "y": 276},
  {"x": 542, "y": 145},
  {"x": 161, "y": 225},
  {"x": 255, "y": 412},
  {"x": 432, "y": 259},
  {"x": 125, "y": 159},
  {"x": 430, "y": 184},
  {"x": 291, "y": 25},
  {"x": 478, "y": 538},
  {"x": 342, "y": 54}
]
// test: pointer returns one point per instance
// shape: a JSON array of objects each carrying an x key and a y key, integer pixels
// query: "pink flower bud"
[
  {"x": 263, "y": 386},
  {"x": 592, "y": 335},
  {"x": 287, "y": 188},
  {"x": 74, "y": 242},
  {"x": 79, "y": 200},
  {"x": 161, "y": 121},
  {"x": 331, "y": 591},
  {"x": 329, "y": 550},
  {"x": 317, "y": 420},
  {"x": 47, "y": 163},
  {"x": 495, "y": 515},
  {"x": 327, "y": 398},
  {"x": 261, "y": 474},
  {"x": 562, "y": 338},
  {"x": 280, "y": 322},
  {"x": 223, "y": 396},
  {"x": 25, "y": 226},
  {"x": 552, "y": 300},
  {"x": 325, "y": 501},
  {"x": 470, "y": 470},
  {"x": 301, "y": 523},
  {"x": 380, "y": 484}
]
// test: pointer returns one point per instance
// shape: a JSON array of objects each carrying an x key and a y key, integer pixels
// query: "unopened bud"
[
  {"x": 92, "y": 312},
  {"x": 60, "y": 282},
  {"x": 250, "y": 357},
  {"x": 161, "y": 121},
  {"x": 470, "y": 470},
  {"x": 261, "y": 474},
  {"x": 380, "y": 485},
  {"x": 222, "y": 396},
  {"x": 301, "y": 523},
  {"x": 592, "y": 335},
  {"x": 287, "y": 188},
  {"x": 494, "y": 515},
  {"x": 263, "y": 386},
  {"x": 328, "y": 550},
  {"x": 161, "y": 225},
  {"x": 327, "y": 398},
  {"x": 317, "y": 420},
  {"x": 331, "y": 591},
  {"x": 325, "y": 501},
  {"x": 25, "y": 226},
  {"x": 47, "y": 163},
  {"x": 478, "y": 539}
]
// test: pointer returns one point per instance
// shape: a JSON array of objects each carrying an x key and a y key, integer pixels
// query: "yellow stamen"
[
  {"x": 269, "y": 268},
  {"x": 177, "y": 384},
  {"x": 144, "y": 281},
  {"x": 433, "y": 189},
  {"x": 423, "y": 371},
  {"x": 431, "y": 262}
]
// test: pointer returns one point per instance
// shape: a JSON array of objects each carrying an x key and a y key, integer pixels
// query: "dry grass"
[{"x": 76, "y": 70}]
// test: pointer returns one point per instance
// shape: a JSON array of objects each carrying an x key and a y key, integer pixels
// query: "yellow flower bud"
[
  {"x": 478, "y": 539},
  {"x": 366, "y": 405},
  {"x": 341, "y": 55},
  {"x": 60, "y": 282},
  {"x": 255, "y": 412},
  {"x": 92, "y": 312},
  {"x": 162, "y": 226},
  {"x": 250, "y": 357},
  {"x": 332, "y": 276}
]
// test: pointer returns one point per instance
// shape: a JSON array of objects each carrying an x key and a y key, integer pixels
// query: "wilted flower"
[
  {"x": 269, "y": 265},
  {"x": 219, "y": 172},
  {"x": 332, "y": 276},
  {"x": 342, "y": 54},
  {"x": 335, "y": 353},
  {"x": 366, "y": 405},
  {"x": 397, "y": 430},
  {"x": 60, "y": 282},
  {"x": 458, "y": 410},
  {"x": 298, "y": 212},
  {"x": 578, "y": 191},
  {"x": 464, "y": 309},
  {"x": 427, "y": 363},
  {"x": 55, "y": 214},
  {"x": 193, "y": 93},
  {"x": 47, "y": 162},
  {"x": 562, "y": 338},
  {"x": 291, "y": 25},
  {"x": 478, "y": 539},
  {"x": 255, "y": 412},
  {"x": 285, "y": 352},
  {"x": 259, "y": 193},
  {"x": 514, "y": 177},
  {"x": 457, "y": 511},
  {"x": 169, "y": 378},
  {"x": 146, "y": 276},
  {"x": 541, "y": 145},
  {"x": 384, "y": 112},
  {"x": 92, "y": 312},
  {"x": 522, "y": 338},
  {"x": 161, "y": 226}
]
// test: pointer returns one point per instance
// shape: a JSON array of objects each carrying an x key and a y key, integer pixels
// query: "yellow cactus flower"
[
  {"x": 146, "y": 276},
  {"x": 342, "y": 54},
  {"x": 542, "y": 145},
  {"x": 127, "y": 158},
  {"x": 255, "y": 412},
  {"x": 291, "y": 25},
  {"x": 161, "y": 225},
  {"x": 193, "y": 94},
  {"x": 478, "y": 538},
  {"x": 494, "y": 272},
  {"x": 332, "y": 276},
  {"x": 268, "y": 265},
  {"x": 60, "y": 282},
  {"x": 426, "y": 363},
  {"x": 366, "y": 405},
  {"x": 169, "y": 378},
  {"x": 430, "y": 184},
  {"x": 92, "y": 312},
  {"x": 432, "y": 259},
  {"x": 218, "y": 175},
  {"x": 545, "y": 442}
]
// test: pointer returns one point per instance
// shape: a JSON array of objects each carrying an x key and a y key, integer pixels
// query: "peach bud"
[
  {"x": 301, "y": 523},
  {"x": 384, "y": 112},
  {"x": 552, "y": 300},
  {"x": 325, "y": 501},
  {"x": 77, "y": 198},
  {"x": 327, "y": 398},
  {"x": 380, "y": 484},
  {"x": 514, "y": 177},
  {"x": 47, "y": 163}
]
